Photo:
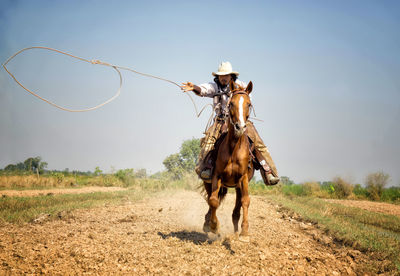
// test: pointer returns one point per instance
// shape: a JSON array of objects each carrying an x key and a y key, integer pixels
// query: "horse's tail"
[
  {"x": 205, "y": 189},
  {"x": 222, "y": 193}
]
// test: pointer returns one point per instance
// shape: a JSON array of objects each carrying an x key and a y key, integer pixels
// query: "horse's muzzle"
[{"x": 239, "y": 130}]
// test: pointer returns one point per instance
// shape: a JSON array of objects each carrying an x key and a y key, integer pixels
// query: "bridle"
[{"x": 228, "y": 105}]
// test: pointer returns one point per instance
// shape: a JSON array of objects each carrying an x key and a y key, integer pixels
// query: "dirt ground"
[
  {"x": 163, "y": 236},
  {"x": 59, "y": 191},
  {"x": 380, "y": 207}
]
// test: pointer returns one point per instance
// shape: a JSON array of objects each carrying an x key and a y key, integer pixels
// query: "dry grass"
[
  {"x": 32, "y": 181},
  {"x": 58, "y": 180},
  {"x": 24, "y": 209},
  {"x": 27, "y": 209},
  {"x": 362, "y": 229}
]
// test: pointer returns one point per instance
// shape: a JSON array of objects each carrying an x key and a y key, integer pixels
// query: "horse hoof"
[
  {"x": 215, "y": 231},
  {"x": 206, "y": 228},
  {"x": 244, "y": 238},
  {"x": 214, "y": 227}
]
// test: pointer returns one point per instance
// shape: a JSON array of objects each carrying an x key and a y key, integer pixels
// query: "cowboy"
[{"x": 220, "y": 92}]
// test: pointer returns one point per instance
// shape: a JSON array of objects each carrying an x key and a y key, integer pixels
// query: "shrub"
[
  {"x": 127, "y": 176},
  {"x": 342, "y": 188},
  {"x": 296, "y": 189},
  {"x": 310, "y": 188},
  {"x": 391, "y": 194},
  {"x": 110, "y": 180},
  {"x": 59, "y": 176},
  {"x": 375, "y": 183},
  {"x": 360, "y": 191}
]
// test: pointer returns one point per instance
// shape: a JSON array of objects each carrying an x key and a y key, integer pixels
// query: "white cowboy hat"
[{"x": 225, "y": 68}]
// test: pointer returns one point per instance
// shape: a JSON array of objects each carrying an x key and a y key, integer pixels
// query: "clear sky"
[{"x": 326, "y": 78}]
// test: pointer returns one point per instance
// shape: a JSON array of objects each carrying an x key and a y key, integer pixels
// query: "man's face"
[{"x": 224, "y": 79}]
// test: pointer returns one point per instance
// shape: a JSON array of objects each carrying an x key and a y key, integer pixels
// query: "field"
[{"x": 154, "y": 226}]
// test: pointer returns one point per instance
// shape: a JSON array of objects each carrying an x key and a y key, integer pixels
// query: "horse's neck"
[{"x": 232, "y": 139}]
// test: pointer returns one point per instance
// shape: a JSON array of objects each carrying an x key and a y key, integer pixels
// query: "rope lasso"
[
  {"x": 116, "y": 68},
  {"x": 95, "y": 62},
  {"x": 48, "y": 101}
]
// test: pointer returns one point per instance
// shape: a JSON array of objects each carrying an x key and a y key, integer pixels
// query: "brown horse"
[{"x": 233, "y": 168}]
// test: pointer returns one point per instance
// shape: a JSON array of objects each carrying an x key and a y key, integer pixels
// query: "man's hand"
[{"x": 187, "y": 86}]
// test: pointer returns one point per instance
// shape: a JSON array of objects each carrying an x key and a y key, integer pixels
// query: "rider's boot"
[
  {"x": 266, "y": 173},
  {"x": 206, "y": 174},
  {"x": 206, "y": 169}
]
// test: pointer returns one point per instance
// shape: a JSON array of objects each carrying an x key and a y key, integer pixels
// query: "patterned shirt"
[{"x": 219, "y": 95}]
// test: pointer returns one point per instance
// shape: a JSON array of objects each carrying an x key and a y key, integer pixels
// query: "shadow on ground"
[
  {"x": 192, "y": 236},
  {"x": 196, "y": 238}
]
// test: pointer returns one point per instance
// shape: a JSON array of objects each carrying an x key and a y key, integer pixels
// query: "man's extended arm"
[
  {"x": 202, "y": 90},
  {"x": 188, "y": 86}
]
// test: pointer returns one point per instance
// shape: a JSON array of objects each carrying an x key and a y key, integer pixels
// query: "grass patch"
[
  {"x": 26, "y": 209},
  {"x": 362, "y": 229}
]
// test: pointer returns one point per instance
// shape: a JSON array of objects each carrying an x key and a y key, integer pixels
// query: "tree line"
[
  {"x": 36, "y": 165},
  {"x": 31, "y": 164},
  {"x": 184, "y": 161}
]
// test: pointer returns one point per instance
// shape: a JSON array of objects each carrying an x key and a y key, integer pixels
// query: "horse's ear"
[
  {"x": 249, "y": 87},
  {"x": 232, "y": 86}
]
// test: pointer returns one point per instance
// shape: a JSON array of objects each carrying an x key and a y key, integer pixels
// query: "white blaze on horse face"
[{"x": 241, "y": 118}]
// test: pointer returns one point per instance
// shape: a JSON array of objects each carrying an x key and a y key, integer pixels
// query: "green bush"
[
  {"x": 391, "y": 194},
  {"x": 296, "y": 189},
  {"x": 360, "y": 192},
  {"x": 127, "y": 176},
  {"x": 259, "y": 188}
]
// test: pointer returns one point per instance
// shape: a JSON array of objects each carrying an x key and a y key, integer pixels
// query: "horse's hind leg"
[
  {"x": 206, "y": 225},
  {"x": 236, "y": 210}
]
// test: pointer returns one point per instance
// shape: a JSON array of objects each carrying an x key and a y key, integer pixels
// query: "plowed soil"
[
  {"x": 163, "y": 236},
  {"x": 380, "y": 207}
]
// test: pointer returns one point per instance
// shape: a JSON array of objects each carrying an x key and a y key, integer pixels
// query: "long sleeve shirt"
[{"x": 220, "y": 95}]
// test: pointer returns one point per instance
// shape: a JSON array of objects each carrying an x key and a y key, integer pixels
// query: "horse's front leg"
[
  {"x": 206, "y": 225},
  {"x": 213, "y": 202},
  {"x": 245, "y": 205},
  {"x": 236, "y": 210}
]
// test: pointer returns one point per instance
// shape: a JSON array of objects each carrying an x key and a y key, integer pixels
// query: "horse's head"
[{"x": 239, "y": 107}]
